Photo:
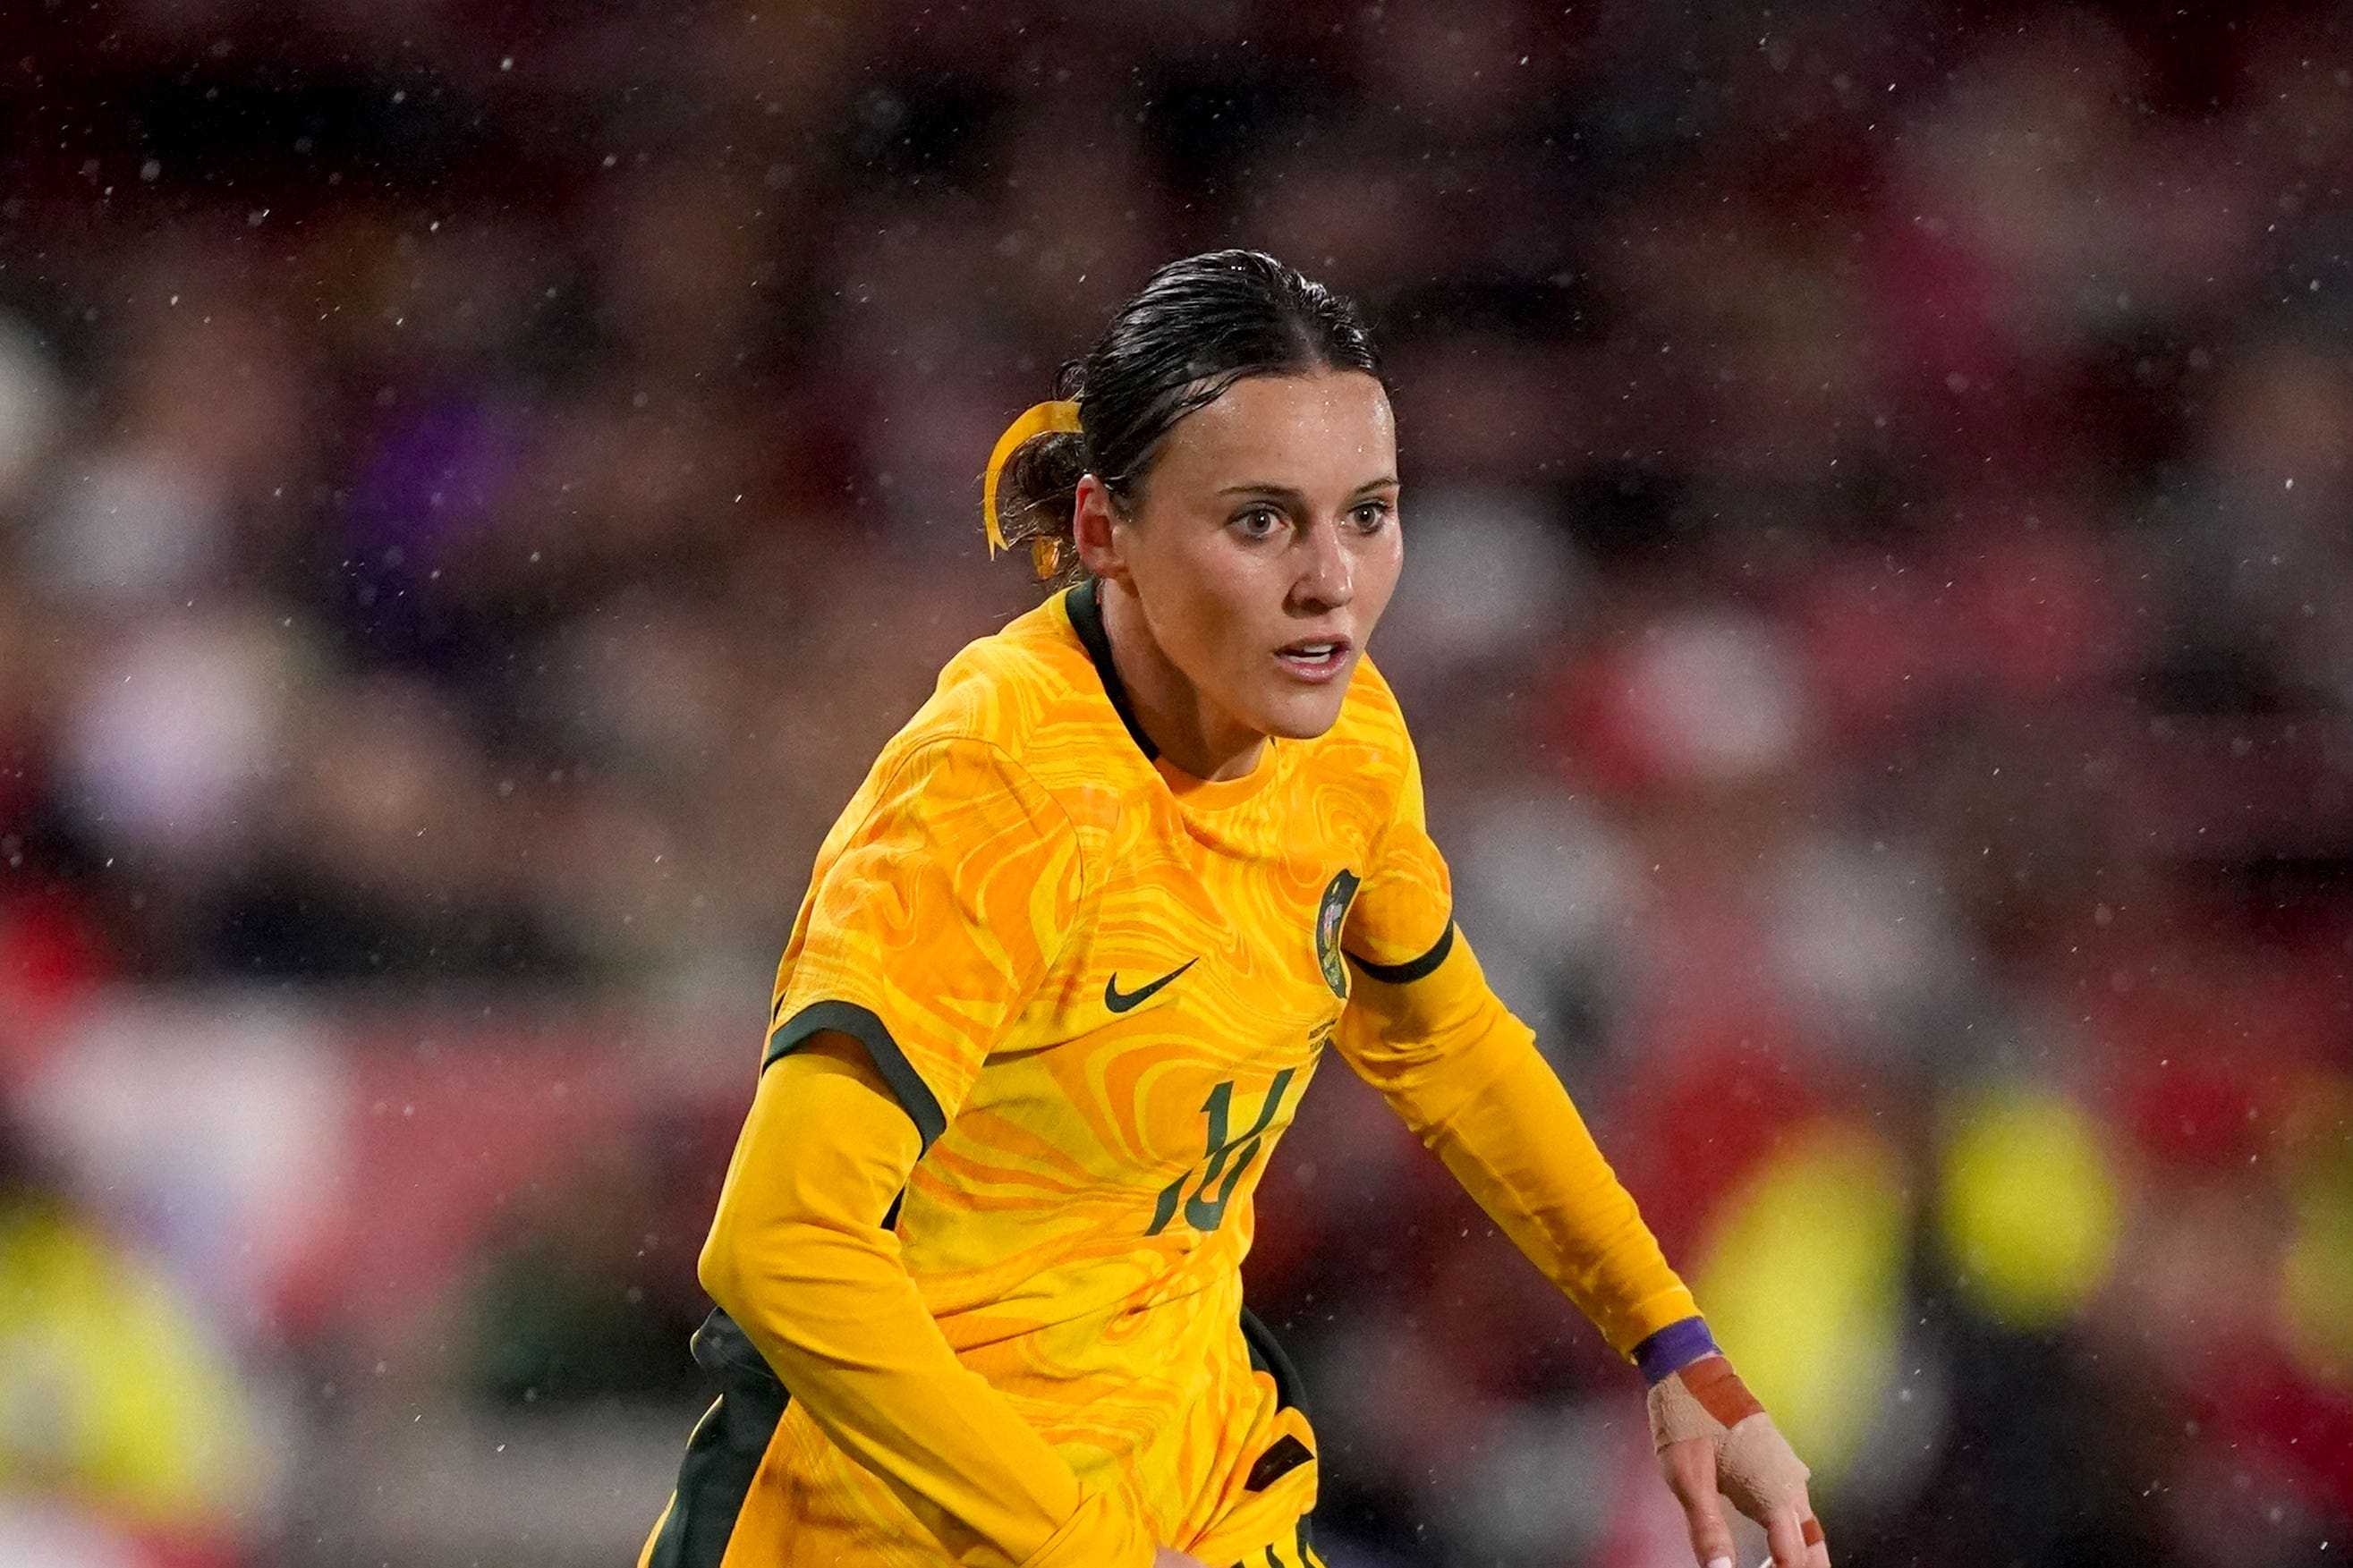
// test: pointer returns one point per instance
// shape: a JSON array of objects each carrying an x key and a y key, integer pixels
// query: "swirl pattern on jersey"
[{"x": 1013, "y": 861}]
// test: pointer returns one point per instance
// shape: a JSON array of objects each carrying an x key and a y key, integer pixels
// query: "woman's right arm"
[{"x": 798, "y": 1257}]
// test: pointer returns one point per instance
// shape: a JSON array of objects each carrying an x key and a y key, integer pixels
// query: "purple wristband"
[{"x": 1673, "y": 1348}]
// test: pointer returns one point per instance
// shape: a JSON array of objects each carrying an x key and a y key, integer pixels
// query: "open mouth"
[{"x": 1314, "y": 659}]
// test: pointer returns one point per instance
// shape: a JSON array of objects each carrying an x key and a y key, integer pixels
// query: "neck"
[{"x": 1195, "y": 735}]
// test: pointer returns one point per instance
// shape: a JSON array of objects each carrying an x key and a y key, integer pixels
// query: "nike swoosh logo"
[{"x": 1120, "y": 1001}]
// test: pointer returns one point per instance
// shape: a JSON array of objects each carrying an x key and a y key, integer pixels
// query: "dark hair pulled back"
[{"x": 1194, "y": 329}]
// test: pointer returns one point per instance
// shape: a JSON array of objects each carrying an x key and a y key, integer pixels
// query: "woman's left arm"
[
  {"x": 1466, "y": 1077},
  {"x": 1423, "y": 1027}
]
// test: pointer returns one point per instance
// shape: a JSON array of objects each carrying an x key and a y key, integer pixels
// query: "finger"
[
  {"x": 1689, "y": 1468},
  {"x": 1818, "y": 1547},
  {"x": 1785, "y": 1531},
  {"x": 1810, "y": 1532}
]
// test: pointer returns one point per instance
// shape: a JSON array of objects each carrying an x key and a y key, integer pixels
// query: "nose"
[{"x": 1327, "y": 573}]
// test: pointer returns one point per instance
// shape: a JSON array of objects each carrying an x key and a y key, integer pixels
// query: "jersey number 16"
[{"x": 1228, "y": 1157}]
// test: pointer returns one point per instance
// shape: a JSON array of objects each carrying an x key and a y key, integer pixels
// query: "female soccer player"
[{"x": 1062, "y": 972}]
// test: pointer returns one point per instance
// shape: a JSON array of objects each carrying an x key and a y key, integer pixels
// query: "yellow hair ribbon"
[{"x": 1060, "y": 415}]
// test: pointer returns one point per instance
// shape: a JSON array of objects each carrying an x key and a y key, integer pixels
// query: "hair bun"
[{"x": 1036, "y": 499}]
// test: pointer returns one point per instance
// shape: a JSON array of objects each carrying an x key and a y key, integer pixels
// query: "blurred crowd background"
[{"x": 479, "y": 481}]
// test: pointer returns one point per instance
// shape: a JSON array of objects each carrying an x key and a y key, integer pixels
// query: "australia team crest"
[{"x": 1330, "y": 916}]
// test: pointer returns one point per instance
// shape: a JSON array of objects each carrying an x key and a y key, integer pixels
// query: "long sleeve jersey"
[{"x": 1046, "y": 1010}]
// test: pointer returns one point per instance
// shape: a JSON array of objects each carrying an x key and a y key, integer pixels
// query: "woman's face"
[{"x": 1264, "y": 546}]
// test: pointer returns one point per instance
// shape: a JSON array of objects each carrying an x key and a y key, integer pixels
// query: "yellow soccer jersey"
[{"x": 1098, "y": 988}]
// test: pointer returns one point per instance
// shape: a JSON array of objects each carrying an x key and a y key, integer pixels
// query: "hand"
[
  {"x": 1713, "y": 1436},
  {"x": 1169, "y": 1557}
]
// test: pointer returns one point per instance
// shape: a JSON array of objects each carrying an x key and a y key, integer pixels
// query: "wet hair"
[{"x": 1196, "y": 327}]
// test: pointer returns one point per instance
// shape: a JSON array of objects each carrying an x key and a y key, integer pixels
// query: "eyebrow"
[{"x": 1387, "y": 481}]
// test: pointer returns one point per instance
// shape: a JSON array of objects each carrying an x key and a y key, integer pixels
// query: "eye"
[
  {"x": 1369, "y": 516},
  {"x": 1259, "y": 522}
]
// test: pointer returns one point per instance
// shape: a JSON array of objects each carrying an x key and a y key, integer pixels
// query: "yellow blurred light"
[
  {"x": 1802, "y": 1284},
  {"x": 141, "y": 1411},
  {"x": 2029, "y": 1207},
  {"x": 2317, "y": 1274}
]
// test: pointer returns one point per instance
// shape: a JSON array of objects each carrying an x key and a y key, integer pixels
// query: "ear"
[{"x": 1095, "y": 528}]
